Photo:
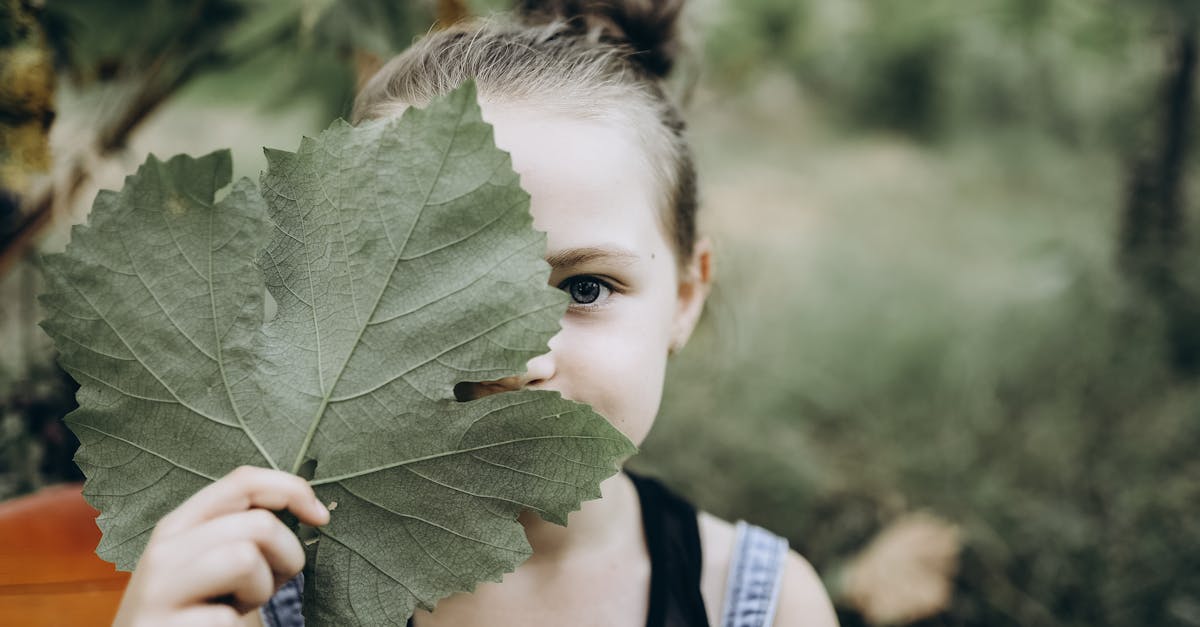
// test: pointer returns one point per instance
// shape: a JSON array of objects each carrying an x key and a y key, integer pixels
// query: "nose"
[{"x": 538, "y": 371}]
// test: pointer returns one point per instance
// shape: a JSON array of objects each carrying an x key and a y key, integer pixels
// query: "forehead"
[{"x": 590, "y": 180}]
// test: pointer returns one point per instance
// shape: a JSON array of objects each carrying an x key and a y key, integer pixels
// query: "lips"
[{"x": 475, "y": 390}]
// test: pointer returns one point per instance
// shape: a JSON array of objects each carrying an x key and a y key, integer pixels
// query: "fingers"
[
  {"x": 222, "y": 547},
  {"x": 242, "y": 489},
  {"x": 234, "y": 573},
  {"x": 277, "y": 545}
]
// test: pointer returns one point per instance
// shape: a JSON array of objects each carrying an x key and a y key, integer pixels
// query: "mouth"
[{"x": 475, "y": 390}]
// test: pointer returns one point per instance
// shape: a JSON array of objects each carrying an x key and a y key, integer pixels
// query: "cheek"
[{"x": 617, "y": 367}]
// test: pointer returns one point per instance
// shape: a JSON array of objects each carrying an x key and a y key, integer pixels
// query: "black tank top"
[{"x": 672, "y": 539}]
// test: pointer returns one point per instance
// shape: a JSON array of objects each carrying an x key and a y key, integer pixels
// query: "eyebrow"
[{"x": 571, "y": 257}]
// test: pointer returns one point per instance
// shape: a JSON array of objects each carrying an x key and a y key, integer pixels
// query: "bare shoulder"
[
  {"x": 716, "y": 544},
  {"x": 802, "y": 596}
]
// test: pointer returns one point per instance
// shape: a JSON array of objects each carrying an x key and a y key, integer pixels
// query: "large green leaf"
[{"x": 400, "y": 259}]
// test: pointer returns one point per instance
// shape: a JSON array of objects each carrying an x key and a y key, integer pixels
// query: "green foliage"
[
  {"x": 384, "y": 28},
  {"x": 35, "y": 445},
  {"x": 1076, "y": 70},
  {"x": 748, "y": 35},
  {"x": 98, "y": 39},
  {"x": 400, "y": 260},
  {"x": 269, "y": 52},
  {"x": 910, "y": 327}
]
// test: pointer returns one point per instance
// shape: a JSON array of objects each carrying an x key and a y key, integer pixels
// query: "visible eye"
[{"x": 585, "y": 289}]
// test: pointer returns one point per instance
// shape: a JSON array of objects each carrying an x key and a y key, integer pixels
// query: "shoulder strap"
[
  {"x": 673, "y": 541},
  {"x": 283, "y": 610},
  {"x": 755, "y": 572}
]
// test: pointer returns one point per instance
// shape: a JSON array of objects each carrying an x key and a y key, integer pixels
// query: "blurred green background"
[{"x": 956, "y": 252}]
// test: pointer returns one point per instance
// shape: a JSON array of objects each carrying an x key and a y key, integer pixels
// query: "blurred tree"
[
  {"x": 26, "y": 112},
  {"x": 36, "y": 448},
  {"x": 1154, "y": 236},
  {"x": 138, "y": 64},
  {"x": 124, "y": 60},
  {"x": 941, "y": 69}
]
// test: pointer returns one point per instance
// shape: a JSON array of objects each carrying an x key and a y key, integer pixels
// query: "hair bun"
[{"x": 648, "y": 27}]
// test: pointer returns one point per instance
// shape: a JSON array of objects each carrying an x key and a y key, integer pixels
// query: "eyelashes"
[{"x": 587, "y": 291}]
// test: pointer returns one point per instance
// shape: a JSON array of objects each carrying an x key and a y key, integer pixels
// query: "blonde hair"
[{"x": 594, "y": 59}]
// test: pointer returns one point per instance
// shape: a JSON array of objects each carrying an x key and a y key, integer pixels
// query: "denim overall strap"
[
  {"x": 283, "y": 610},
  {"x": 755, "y": 572}
]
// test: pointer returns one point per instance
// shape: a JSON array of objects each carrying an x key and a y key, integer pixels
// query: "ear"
[{"x": 695, "y": 282}]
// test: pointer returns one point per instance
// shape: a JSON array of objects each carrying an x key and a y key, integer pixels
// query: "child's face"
[{"x": 595, "y": 197}]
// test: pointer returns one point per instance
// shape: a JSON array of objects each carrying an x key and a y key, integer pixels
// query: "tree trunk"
[{"x": 1154, "y": 223}]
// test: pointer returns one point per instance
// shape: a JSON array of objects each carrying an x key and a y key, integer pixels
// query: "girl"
[{"x": 574, "y": 93}]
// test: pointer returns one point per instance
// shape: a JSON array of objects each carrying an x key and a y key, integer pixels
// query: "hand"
[{"x": 222, "y": 544}]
